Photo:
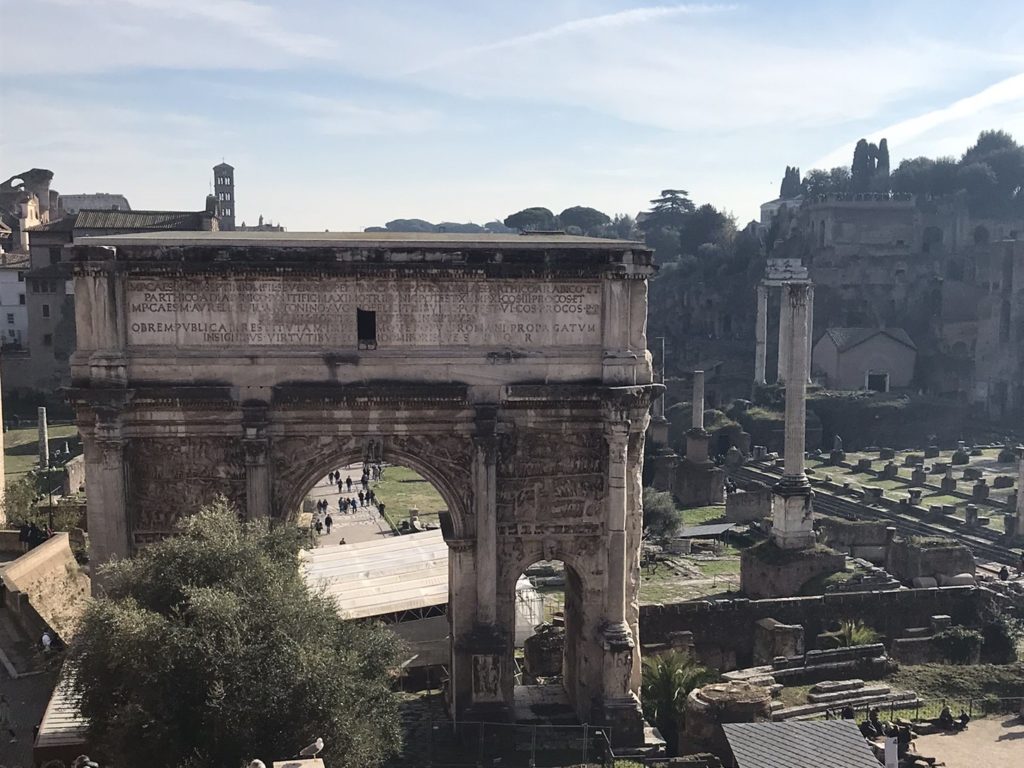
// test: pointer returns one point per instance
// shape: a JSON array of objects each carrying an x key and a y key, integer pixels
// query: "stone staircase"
[
  {"x": 19, "y": 655},
  {"x": 837, "y": 694}
]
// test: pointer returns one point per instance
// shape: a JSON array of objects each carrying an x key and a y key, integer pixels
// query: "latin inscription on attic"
[{"x": 290, "y": 312}]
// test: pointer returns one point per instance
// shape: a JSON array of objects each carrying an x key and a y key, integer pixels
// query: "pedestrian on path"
[
  {"x": 328, "y": 522},
  {"x": 341, "y": 488},
  {"x": 5, "y": 718},
  {"x": 362, "y": 499},
  {"x": 372, "y": 496},
  {"x": 348, "y": 482},
  {"x": 341, "y": 505},
  {"x": 319, "y": 528}
]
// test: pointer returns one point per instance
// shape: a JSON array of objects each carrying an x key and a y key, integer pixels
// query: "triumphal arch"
[{"x": 512, "y": 371}]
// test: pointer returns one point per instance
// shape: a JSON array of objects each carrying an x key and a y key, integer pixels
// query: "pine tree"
[{"x": 863, "y": 167}]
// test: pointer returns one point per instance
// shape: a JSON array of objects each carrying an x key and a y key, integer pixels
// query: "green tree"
[
  {"x": 588, "y": 220},
  {"x": 704, "y": 225},
  {"x": 881, "y": 178},
  {"x": 790, "y": 186},
  {"x": 667, "y": 680},
  {"x": 209, "y": 650},
  {"x": 662, "y": 224},
  {"x": 532, "y": 220},
  {"x": 660, "y": 512},
  {"x": 863, "y": 168}
]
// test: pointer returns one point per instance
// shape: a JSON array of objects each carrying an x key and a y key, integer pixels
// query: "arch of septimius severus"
[{"x": 511, "y": 371}]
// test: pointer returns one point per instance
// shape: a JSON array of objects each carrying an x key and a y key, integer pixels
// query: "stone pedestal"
[
  {"x": 835, "y": 458},
  {"x": 792, "y": 512},
  {"x": 697, "y": 441},
  {"x": 948, "y": 483},
  {"x": 980, "y": 490},
  {"x": 664, "y": 465},
  {"x": 657, "y": 432},
  {"x": 1011, "y": 526},
  {"x": 708, "y": 707},
  {"x": 890, "y": 471},
  {"x": 918, "y": 477}
]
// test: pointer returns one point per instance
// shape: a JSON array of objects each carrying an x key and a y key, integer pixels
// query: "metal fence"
[
  {"x": 486, "y": 745},
  {"x": 929, "y": 709}
]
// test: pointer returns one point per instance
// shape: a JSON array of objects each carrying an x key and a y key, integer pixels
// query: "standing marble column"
[
  {"x": 795, "y": 303},
  {"x": 107, "y": 498},
  {"x": 785, "y": 321},
  {"x": 257, "y": 478},
  {"x": 792, "y": 512},
  {"x": 810, "y": 329},
  {"x": 617, "y": 437},
  {"x": 1020, "y": 491},
  {"x": 44, "y": 439},
  {"x": 698, "y": 400},
  {"x": 485, "y": 508},
  {"x": 761, "y": 335}
]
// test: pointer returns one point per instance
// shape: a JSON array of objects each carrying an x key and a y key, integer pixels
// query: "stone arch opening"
[
  {"x": 453, "y": 524},
  {"x": 546, "y": 674}
]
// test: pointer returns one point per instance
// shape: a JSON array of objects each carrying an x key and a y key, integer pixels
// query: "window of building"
[
  {"x": 21, "y": 298},
  {"x": 366, "y": 328},
  {"x": 21, "y": 277},
  {"x": 10, "y": 318},
  {"x": 47, "y": 339},
  {"x": 55, "y": 254},
  {"x": 46, "y": 310}
]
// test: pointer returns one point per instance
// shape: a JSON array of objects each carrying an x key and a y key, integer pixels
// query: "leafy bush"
[
  {"x": 209, "y": 650},
  {"x": 660, "y": 512},
  {"x": 959, "y": 645}
]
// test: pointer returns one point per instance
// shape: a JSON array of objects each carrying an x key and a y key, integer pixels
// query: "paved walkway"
[
  {"x": 992, "y": 742},
  {"x": 364, "y": 524}
]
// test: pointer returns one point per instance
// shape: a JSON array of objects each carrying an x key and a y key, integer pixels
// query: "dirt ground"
[{"x": 995, "y": 742}]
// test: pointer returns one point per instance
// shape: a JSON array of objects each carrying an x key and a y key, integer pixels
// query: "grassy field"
[
  {"x": 402, "y": 489},
  {"x": 666, "y": 585},
  {"x": 936, "y": 681},
  {"x": 21, "y": 447},
  {"x": 701, "y": 515}
]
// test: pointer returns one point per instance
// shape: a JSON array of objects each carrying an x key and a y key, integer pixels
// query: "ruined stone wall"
[
  {"x": 52, "y": 584},
  {"x": 723, "y": 631}
]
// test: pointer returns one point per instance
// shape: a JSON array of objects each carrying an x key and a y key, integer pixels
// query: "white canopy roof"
[{"x": 385, "y": 575}]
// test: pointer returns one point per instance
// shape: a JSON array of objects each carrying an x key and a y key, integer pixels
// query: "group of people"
[
  {"x": 364, "y": 496},
  {"x": 31, "y": 535},
  {"x": 874, "y": 728}
]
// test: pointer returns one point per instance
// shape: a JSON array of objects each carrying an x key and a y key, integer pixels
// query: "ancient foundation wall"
[
  {"x": 724, "y": 631},
  {"x": 50, "y": 581}
]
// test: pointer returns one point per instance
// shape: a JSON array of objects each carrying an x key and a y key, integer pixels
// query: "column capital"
[
  {"x": 255, "y": 450},
  {"x": 616, "y": 434},
  {"x": 487, "y": 446}
]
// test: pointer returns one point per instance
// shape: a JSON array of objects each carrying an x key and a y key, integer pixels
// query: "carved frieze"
[
  {"x": 173, "y": 477},
  {"x": 551, "y": 476}
]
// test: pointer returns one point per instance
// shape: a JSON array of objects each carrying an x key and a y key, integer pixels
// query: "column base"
[
  {"x": 792, "y": 514},
  {"x": 624, "y": 719},
  {"x": 697, "y": 441}
]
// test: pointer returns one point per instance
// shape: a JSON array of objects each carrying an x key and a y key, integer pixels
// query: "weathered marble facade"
[{"x": 511, "y": 371}]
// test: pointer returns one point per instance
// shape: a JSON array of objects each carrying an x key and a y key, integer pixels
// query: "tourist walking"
[
  {"x": 362, "y": 499},
  {"x": 319, "y": 528},
  {"x": 348, "y": 482},
  {"x": 341, "y": 488},
  {"x": 327, "y": 523}
]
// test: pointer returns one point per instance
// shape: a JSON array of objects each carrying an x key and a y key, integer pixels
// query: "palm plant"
[
  {"x": 853, "y": 632},
  {"x": 667, "y": 681}
]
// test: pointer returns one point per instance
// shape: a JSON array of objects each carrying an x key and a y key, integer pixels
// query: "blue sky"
[{"x": 340, "y": 115}]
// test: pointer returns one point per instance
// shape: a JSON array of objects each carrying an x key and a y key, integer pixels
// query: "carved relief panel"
[{"x": 173, "y": 477}]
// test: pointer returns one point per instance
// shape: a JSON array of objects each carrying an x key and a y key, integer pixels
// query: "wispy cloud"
[
  {"x": 603, "y": 22},
  {"x": 255, "y": 21},
  {"x": 340, "y": 117},
  {"x": 1008, "y": 91}
]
